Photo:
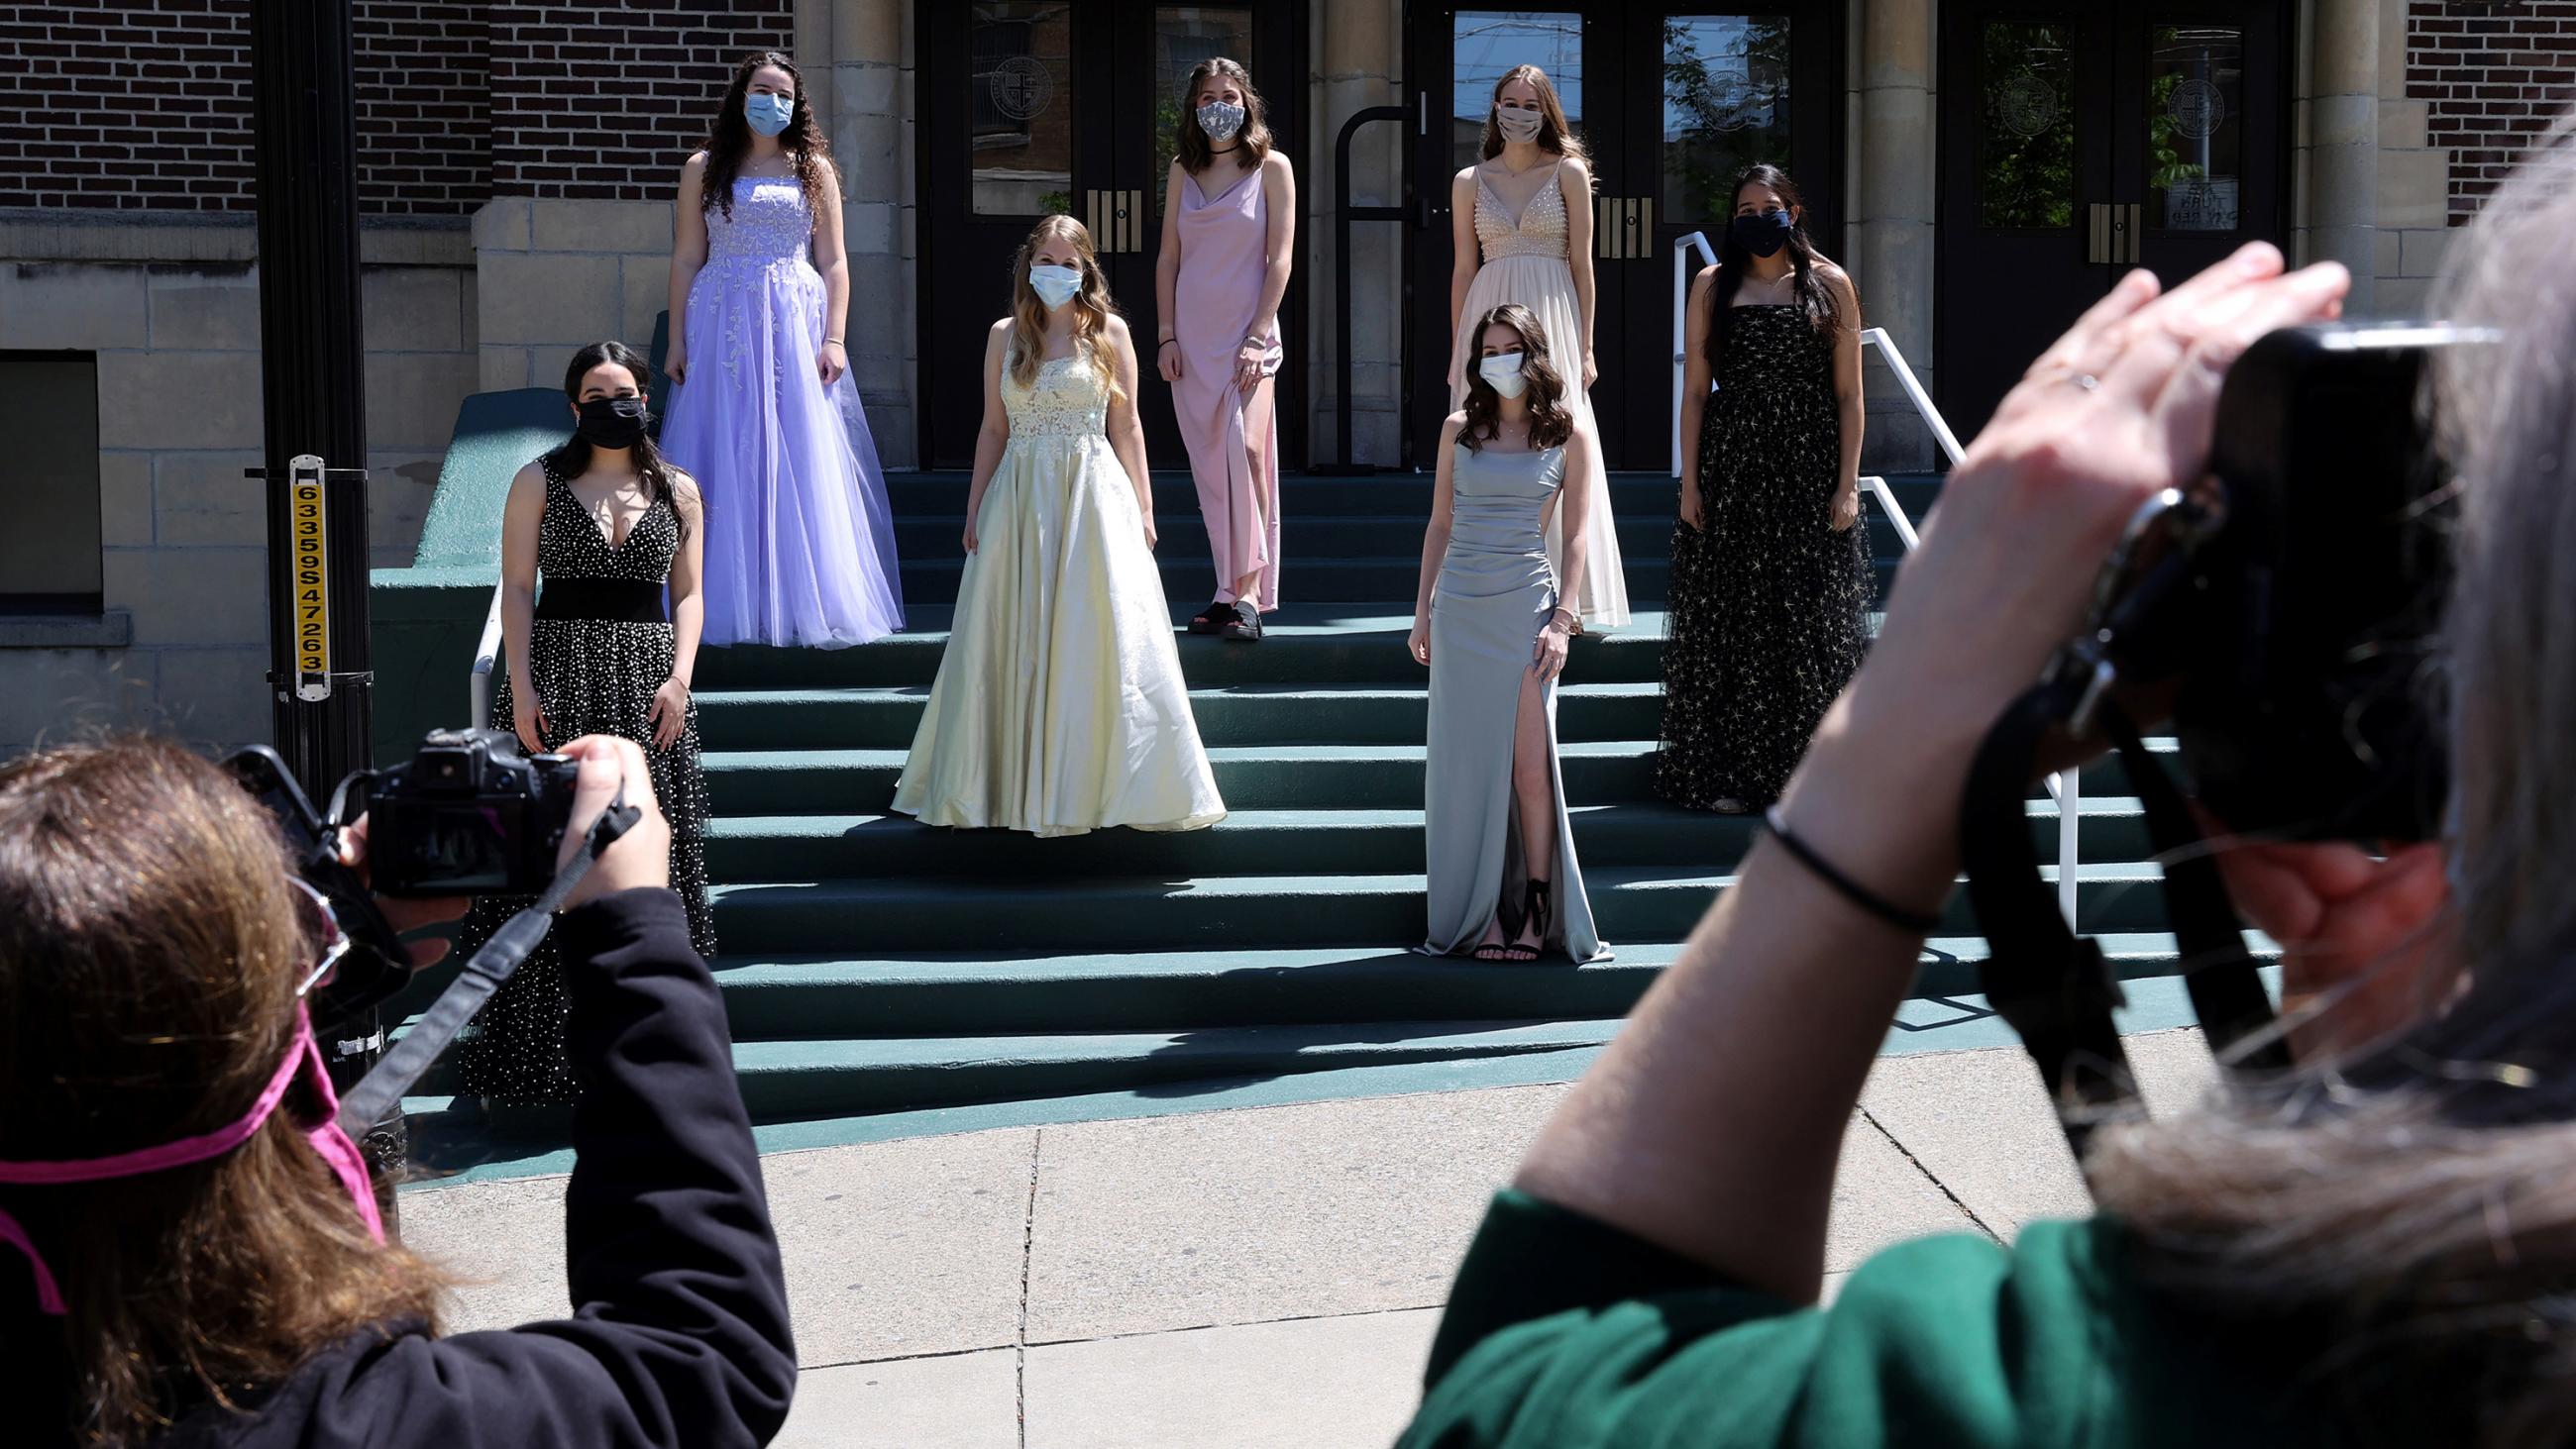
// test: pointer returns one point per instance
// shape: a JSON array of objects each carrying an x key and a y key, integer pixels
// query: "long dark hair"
[
  {"x": 1254, "y": 138},
  {"x": 1551, "y": 422},
  {"x": 150, "y": 948},
  {"x": 573, "y": 458},
  {"x": 1809, "y": 293},
  {"x": 730, "y": 138}
]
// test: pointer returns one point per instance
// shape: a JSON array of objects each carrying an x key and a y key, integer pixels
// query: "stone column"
[
  {"x": 2341, "y": 142},
  {"x": 866, "y": 48},
  {"x": 1359, "y": 62},
  {"x": 1889, "y": 231}
]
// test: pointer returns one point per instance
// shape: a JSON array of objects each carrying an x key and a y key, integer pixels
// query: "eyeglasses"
[{"x": 334, "y": 941}]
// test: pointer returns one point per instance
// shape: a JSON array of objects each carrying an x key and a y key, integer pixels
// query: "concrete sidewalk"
[{"x": 1244, "y": 1279}]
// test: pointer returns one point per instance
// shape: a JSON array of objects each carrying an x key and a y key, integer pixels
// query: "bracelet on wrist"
[{"x": 1914, "y": 923}]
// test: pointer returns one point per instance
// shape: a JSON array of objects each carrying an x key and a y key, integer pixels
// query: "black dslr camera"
[
  {"x": 2295, "y": 595},
  {"x": 472, "y": 814}
]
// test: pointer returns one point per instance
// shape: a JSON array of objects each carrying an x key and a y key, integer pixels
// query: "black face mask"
[
  {"x": 1763, "y": 232},
  {"x": 612, "y": 422}
]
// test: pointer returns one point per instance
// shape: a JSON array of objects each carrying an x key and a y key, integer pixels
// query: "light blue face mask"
[
  {"x": 768, "y": 114},
  {"x": 1055, "y": 286}
]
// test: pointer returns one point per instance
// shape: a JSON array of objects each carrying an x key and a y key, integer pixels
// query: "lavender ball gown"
[{"x": 800, "y": 546}]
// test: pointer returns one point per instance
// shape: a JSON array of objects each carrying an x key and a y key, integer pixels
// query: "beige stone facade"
[{"x": 170, "y": 307}]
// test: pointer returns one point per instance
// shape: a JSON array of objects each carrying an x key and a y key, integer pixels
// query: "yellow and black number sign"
[{"x": 308, "y": 548}]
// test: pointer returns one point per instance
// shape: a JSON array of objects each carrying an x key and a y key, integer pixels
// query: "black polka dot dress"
[
  {"x": 593, "y": 675},
  {"x": 1767, "y": 612}
]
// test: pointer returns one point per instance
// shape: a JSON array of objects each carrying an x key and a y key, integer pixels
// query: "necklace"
[{"x": 1516, "y": 172}]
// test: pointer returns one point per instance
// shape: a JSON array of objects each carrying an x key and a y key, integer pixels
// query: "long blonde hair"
[
  {"x": 2416, "y": 1201},
  {"x": 1092, "y": 308},
  {"x": 1555, "y": 133}
]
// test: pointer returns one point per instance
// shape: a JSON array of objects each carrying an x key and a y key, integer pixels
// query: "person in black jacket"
[{"x": 152, "y": 944}]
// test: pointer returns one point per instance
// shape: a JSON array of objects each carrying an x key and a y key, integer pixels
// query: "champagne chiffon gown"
[
  {"x": 1525, "y": 262},
  {"x": 1059, "y": 706},
  {"x": 1495, "y": 592}
]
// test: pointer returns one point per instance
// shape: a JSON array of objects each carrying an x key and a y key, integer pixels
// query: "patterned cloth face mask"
[
  {"x": 302, "y": 1066},
  {"x": 1222, "y": 120}
]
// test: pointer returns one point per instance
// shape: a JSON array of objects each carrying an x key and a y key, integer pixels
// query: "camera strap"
[
  {"x": 2055, "y": 987},
  {"x": 409, "y": 1058}
]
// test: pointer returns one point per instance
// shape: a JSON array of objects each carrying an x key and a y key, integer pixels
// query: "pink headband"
[{"x": 303, "y": 1059}]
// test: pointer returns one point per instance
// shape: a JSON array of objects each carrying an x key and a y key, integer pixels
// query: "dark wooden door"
[
  {"x": 2079, "y": 140},
  {"x": 1037, "y": 106},
  {"x": 1673, "y": 101}
]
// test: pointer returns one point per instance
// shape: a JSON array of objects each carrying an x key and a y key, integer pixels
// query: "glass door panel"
[
  {"x": 1486, "y": 43},
  {"x": 2027, "y": 140},
  {"x": 1726, "y": 93},
  {"x": 1020, "y": 102},
  {"x": 1185, "y": 35},
  {"x": 2195, "y": 128}
]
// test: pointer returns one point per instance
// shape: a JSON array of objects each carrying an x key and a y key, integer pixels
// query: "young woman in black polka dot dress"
[
  {"x": 612, "y": 529},
  {"x": 1767, "y": 608}
]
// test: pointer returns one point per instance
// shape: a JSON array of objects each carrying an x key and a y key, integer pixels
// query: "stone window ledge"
[
  {"x": 111, "y": 630},
  {"x": 108, "y": 234}
]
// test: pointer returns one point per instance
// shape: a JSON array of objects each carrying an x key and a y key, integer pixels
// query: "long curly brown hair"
[
  {"x": 729, "y": 140},
  {"x": 1551, "y": 421},
  {"x": 150, "y": 949}
]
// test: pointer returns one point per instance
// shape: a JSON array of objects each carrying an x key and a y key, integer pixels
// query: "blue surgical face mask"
[
  {"x": 1762, "y": 233},
  {"x": 768, "y": 114},
  {"x": 1055, "y": 286},
  {"x": 1503, "y": 373}
]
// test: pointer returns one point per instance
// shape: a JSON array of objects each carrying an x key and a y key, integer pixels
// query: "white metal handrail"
[
  {"x": 478, "y": 686},
  {"x": 2066, "y": 785}
]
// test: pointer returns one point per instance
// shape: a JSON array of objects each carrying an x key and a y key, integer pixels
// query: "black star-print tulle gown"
[
  {"x": 599, "y": 648},
  {"x": 1767, "y": 613}
]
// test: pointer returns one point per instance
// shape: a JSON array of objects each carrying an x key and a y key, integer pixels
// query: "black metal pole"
[
  {"x": 313, "y": 385},
  {"x": 312, "y": 377},
  {"x": 1343, "y": 216}
]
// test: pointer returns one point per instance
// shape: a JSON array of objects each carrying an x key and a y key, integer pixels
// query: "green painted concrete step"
[
  {"x": 1242, "y": 714},
  {"x": 788, "y": 998},
  {"x": 934, "y": 578},
  {"x": 1305, "y": 643},
  {"x": 1263, "y": 777},
  {"x": 1271, "y": 842},
  {"x": 1217, "y": 913},
  {"x": 942, "y": 493},
  {"x": 1305, "y": 537}
]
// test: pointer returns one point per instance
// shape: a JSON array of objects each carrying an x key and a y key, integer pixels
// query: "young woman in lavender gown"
[
  {"x": 800, "y": 546},
  {"x": 1229, "y": 228}
]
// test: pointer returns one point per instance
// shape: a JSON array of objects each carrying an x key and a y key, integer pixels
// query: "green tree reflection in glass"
[
  {"x": 1726, "y": 106},
  {"x": 2026, "y": 146}
]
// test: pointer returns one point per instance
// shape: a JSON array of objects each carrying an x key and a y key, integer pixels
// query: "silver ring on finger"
[{"x": 2085, "y": 380}]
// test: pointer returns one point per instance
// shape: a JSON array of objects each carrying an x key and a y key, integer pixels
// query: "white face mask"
[
  {"x": 1221, "y": 120},
  {"x": 1502, "y": 372},
  {"x": 1516, "y": 124},
  {"x": 1055, "y": 286}
]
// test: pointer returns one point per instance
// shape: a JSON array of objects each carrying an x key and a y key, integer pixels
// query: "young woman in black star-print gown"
[
  {"x": 1768, "y": 605},
  {"x": 614, "y": 531}
]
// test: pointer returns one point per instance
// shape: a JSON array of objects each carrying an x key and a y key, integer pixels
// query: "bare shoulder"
[
  {"x": 684, "y": 491},
  {"x": 1573, "y": 172},
  {"x": 695, "y": 168},
  {"x": 1116, "y": 327},
  {"x": 1466, "y": 177},
  {"x": 1451, "y": 426},
  {"x": 1706, "y": 279},
  {"x": 531, "y": 477},
  {"x": 1835, "y": 277},
  {"x": 1275, "y": 166},
  {"x": 999, "y": 332}
]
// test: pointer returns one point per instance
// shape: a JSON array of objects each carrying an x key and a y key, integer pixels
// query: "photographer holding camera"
[
  {"x": 188, "y": 1250},
  {"x": 2372, "y": 1245}
]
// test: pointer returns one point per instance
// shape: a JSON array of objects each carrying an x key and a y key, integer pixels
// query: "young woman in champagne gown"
[
  {"x": 1768, "y": 612},
  {"x": 1229, "y": 230},
  {"x": 1491, "y": 621},
  {"x": 800, "y": 545},
  {"x": 1520, "y": 238},
  {"x": 1059, "y": 706}
]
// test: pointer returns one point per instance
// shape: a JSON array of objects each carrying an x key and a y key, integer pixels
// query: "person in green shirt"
[{"x": 2376, "y": 1247}]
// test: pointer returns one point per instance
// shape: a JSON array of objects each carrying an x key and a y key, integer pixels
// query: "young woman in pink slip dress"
[
  {"x": 1229, "y": 223},
  {"x": 1521, "y": 238}
]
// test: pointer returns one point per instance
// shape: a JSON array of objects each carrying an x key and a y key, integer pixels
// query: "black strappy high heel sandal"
[{"x": 1538, "y": 912}]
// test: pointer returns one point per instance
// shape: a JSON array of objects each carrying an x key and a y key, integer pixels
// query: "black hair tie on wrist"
[{"x": 1916, "y": 923}]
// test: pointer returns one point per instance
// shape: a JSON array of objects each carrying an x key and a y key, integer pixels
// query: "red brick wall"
[
  {"x": 424, "y": 73},
  {"x": 605, "y": 102},
  {"x": 2495, "y": 72},
  {"x": 162, "y": 116},
  {"x": 458, "y": 100}
]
